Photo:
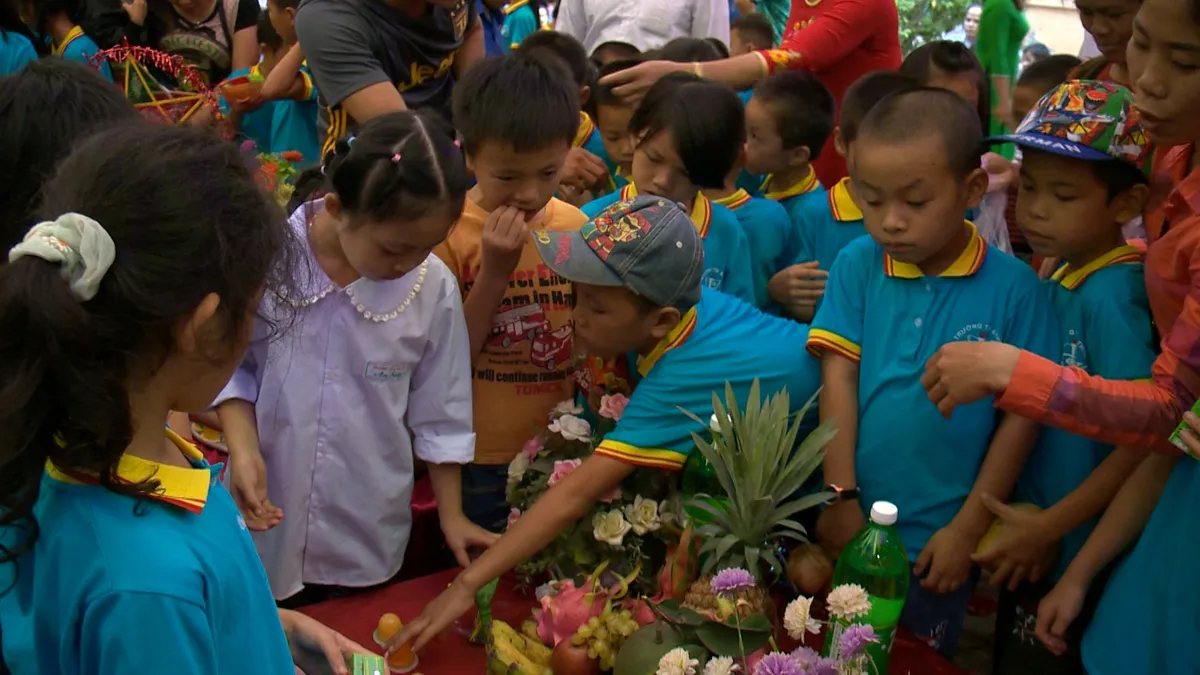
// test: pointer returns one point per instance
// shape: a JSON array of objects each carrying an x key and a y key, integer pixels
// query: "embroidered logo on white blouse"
[{"x": 386, "y": 372}]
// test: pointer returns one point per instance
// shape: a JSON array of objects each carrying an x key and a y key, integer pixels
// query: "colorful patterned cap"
[
  {"x": 646, "y": 244},
  {"x": 1088, "y": 120}
]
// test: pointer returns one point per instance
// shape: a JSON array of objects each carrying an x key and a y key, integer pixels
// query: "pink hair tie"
[{"x": 396, "y": 158}]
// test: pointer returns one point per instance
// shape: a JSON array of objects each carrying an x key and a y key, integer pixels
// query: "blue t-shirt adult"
[
  {"x": 172, "y": 584},
  {"x": 726, "y": 252},
  {"x": 891, "y": 318},
  {"x": 768, "y": 231},
  {"x": 15, "y": 52},
  {"x": 720, "y": 340},
  {"x": 1105, "y": 329}
]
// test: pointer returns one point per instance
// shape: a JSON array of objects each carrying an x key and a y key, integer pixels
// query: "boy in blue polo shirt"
[
  {"x": 676, "y": 158},
  {"x": 825, "y": 222},
  {"x": 294, "y": 115},
  {"x": 57, "y": 20},
  {"x": 611, "y": 114},
  {"x": 923, "y": 278},
  {"x": 1075, "y": 193},
  {"x": 637, "y": 268}
]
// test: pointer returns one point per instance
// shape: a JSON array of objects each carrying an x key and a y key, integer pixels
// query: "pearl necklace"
[{"x": 360, "y": 308}]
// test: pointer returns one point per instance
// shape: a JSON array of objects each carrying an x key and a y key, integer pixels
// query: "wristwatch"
[{"x": 842, "y": 494}]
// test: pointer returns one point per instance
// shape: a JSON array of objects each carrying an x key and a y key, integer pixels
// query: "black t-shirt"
[
  {"x": 208, "y": 45},
  {"x": 353, "y": 44}
]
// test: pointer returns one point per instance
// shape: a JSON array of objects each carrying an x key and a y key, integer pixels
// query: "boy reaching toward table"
[{"x": 637, "y": 269}]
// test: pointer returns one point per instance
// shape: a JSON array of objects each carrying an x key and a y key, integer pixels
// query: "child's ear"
[
  {"x": 1130, "y": 203},
  {"x": 799, "y": 156},
  {"x": 839, "y": 144},
  {"x": 665, "y": 320},
  {"x": 976, "y": 186},
  {"x": 188, "y": 330},
  {"x": 291, "y": 14},
  {"x": 333, "y": 205},
  {"x": 585, "y": 95}
]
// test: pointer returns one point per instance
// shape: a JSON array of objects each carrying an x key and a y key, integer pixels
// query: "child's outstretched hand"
[
  {"x": 945, "y": 562},
  {"x": 1024, "y": 549},
  {"x": 583, "y": 170},
  {"x": 1057, "y": 610},
  {"x": 248, "y": 483},
  {"x": 462, "y": 535}
]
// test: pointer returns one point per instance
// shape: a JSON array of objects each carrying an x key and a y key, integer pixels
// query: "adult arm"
[
  {"x": 337, "y": 43},
  {"x": 287, "y": 81},
  {"x": 244, "y": 50},
  {"x": 473, "y": 49},
  {"x": 711, "y": 19}
]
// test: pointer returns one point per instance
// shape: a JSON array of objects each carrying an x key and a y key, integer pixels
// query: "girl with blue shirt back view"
[
  {"x": 688, "y": 133},
  {"x": 18, "y": 46},
  {"x": 57, "y": 22},
  {"x": 326, "y": 423},
  {"x": 120, "y": 552}
]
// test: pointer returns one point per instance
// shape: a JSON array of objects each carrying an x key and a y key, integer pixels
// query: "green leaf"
[
  {"x": 722, "y": 640},
  {"x": 755, "y": 623}
]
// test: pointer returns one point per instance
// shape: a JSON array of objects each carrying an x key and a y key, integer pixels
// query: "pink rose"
[
  {"x": 532, "y": 447},
  {"x": 513, "y": 516},
  {"x": 612, "y": 496},
  {"x": 613, "y": 406},
  {"x": 562, "y": 468}
]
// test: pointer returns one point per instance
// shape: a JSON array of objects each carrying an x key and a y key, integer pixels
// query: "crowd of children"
[{"x": 428, "y": 300}]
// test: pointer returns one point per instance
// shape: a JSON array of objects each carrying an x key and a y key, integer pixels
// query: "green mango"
[{"x": 642, "y": 651}]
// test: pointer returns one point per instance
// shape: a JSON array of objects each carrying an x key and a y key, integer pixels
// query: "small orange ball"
[{"x": 389, "y": 625}]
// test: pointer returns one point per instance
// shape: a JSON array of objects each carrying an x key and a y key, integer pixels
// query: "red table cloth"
[{"x": 451, "y": 654}]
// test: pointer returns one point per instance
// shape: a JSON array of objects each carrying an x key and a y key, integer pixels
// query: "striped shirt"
[{"x": 1136, "y": 413}]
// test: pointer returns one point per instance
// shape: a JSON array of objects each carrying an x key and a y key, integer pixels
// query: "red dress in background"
[{"x": 838, "y": 41}]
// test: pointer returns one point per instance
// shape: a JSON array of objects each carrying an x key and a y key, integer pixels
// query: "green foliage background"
[{"x": 925, "y": 20}]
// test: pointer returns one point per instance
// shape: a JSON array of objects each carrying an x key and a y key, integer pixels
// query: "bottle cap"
[{"x": 884, "y": 513}]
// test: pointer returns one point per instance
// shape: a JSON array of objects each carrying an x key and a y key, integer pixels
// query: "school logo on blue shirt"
[
  {"x": 1074, "y": 353},
  {"x": 976, "y": 332},
  {"x": 714, "y": 278}
]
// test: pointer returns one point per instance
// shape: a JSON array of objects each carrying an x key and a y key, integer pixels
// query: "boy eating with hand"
[{"x": 924, "y": 277}]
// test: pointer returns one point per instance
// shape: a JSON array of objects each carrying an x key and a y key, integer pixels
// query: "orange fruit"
[{"x": 389, "y": 625}]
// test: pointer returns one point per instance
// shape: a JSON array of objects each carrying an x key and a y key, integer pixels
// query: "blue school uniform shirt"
[
  {"x": 726, "y": 252},
  {"x": 257, "y": 124},
  {"x": 173, "y": 585},
  {"x": 494, "y": 41},
  {"x": 767, "y": 228},
  {"x": 15, "y": 51},
  {"x": 1105, "y": 329},
  {"x": 807, "y": 203},
  {"x": 294, "y": 124},
  {"x": 1146, "y": 621},
  {"x": 722, "y": 339},
  {"x": 78, "y": 47},
  {"x": 890, "y": 318},
  {"x": 520, "y": 21}
]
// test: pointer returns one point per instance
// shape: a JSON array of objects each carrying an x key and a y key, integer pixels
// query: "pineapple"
[{"x": 758, "y": 470}]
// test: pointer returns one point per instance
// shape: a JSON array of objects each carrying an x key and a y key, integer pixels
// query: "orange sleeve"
[{"x": 832, "y": 36}]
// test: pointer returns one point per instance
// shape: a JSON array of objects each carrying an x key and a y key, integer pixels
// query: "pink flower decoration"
[
  {"x": 562, "y": 468},
  {"x": 613, "y": 406},
  {"x": 513, "y": 516},
  {"x": 612, "y": 496},
  {"x": 532, "y": 447}
]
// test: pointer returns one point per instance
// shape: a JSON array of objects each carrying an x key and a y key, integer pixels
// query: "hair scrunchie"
[{"x": 80, "y": 246}]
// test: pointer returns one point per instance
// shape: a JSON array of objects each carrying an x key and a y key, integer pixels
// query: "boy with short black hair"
[
  {"x": 1075, "y": 193},
  {"x": 750, "y": 33},
  {"x": 924, "y": 277},
  {"x": 587, "y": 164},
  {"x": 611, "y": 51},
  {"x": 823, "y": 222},
  {"x": 518, "y": 316},
  {"x": 611, "y": 114},
  {"x": 637, "y": 269}
]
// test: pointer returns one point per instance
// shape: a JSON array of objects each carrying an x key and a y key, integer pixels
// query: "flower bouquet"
[
  {"x": 627, "y": 532},
  {"x": 277, "y": 173}
]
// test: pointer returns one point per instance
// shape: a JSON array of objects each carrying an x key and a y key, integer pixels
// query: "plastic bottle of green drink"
[{"x": 876, "y": 560}]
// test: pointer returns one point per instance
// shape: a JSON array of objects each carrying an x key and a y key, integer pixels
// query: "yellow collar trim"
[
  {"x": 734, "y": 201},
  {"x": 678, "y": 335},
  {"x": 701, "y": 208},
  {"x": 586, "y": 127},
  {"x": 72, "y": 35},
  {"x": 1072, "y": 279},
  {"x": 841, "y": 201},
  {"x": 186, "y": 488},
  {"x": 514, "y": 6},
  {"x": 967, "y": 263},
  {"x": 807, "y": 184}
]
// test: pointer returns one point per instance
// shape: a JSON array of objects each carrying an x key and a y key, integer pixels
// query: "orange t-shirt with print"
[{"x": 525, "y": 366}]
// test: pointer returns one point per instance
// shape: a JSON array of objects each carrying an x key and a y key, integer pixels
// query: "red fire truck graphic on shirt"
[
  {"x": 552, "y": 349},
  {"x": 515, "y": 325}
]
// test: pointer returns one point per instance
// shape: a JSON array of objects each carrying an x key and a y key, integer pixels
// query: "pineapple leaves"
[{"x": 762, "y": 465}]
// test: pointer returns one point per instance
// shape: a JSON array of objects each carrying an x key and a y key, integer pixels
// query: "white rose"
[
  {"x": 517, "y": 468},
  {"x": 572, "y": 428},
  {"x": 643, "y": 514},
  {"x": 610, "y": 527},
  {"x": 568, "y": 407}
]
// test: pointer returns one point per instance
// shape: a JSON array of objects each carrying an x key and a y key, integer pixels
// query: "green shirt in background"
[{"x": 1002, "y": 28}]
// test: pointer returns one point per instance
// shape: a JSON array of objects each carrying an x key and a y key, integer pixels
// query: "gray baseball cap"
[{"x": 646, "y": 244}]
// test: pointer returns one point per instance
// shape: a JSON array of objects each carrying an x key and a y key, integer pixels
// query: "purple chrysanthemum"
[
  {"x": 778, "y": 663},
  {"x": 732, "y": 580},
  {"x": 824, "y": 667},
  {"x": 806, "y": 657},
  {"x": 855, "y": 640}
]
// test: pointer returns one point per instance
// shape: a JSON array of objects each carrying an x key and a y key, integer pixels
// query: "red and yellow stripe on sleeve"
[
  {"x": 632, "y": 454},
  {"x": 821, "y": 340}
]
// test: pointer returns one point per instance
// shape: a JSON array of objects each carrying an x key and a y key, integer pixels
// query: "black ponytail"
[
  {"x": 400, "y": 166},
  {"x": 66, "y": 365}
]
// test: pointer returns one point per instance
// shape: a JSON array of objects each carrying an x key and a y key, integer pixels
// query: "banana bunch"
[{"x": 511, "y": 653}]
